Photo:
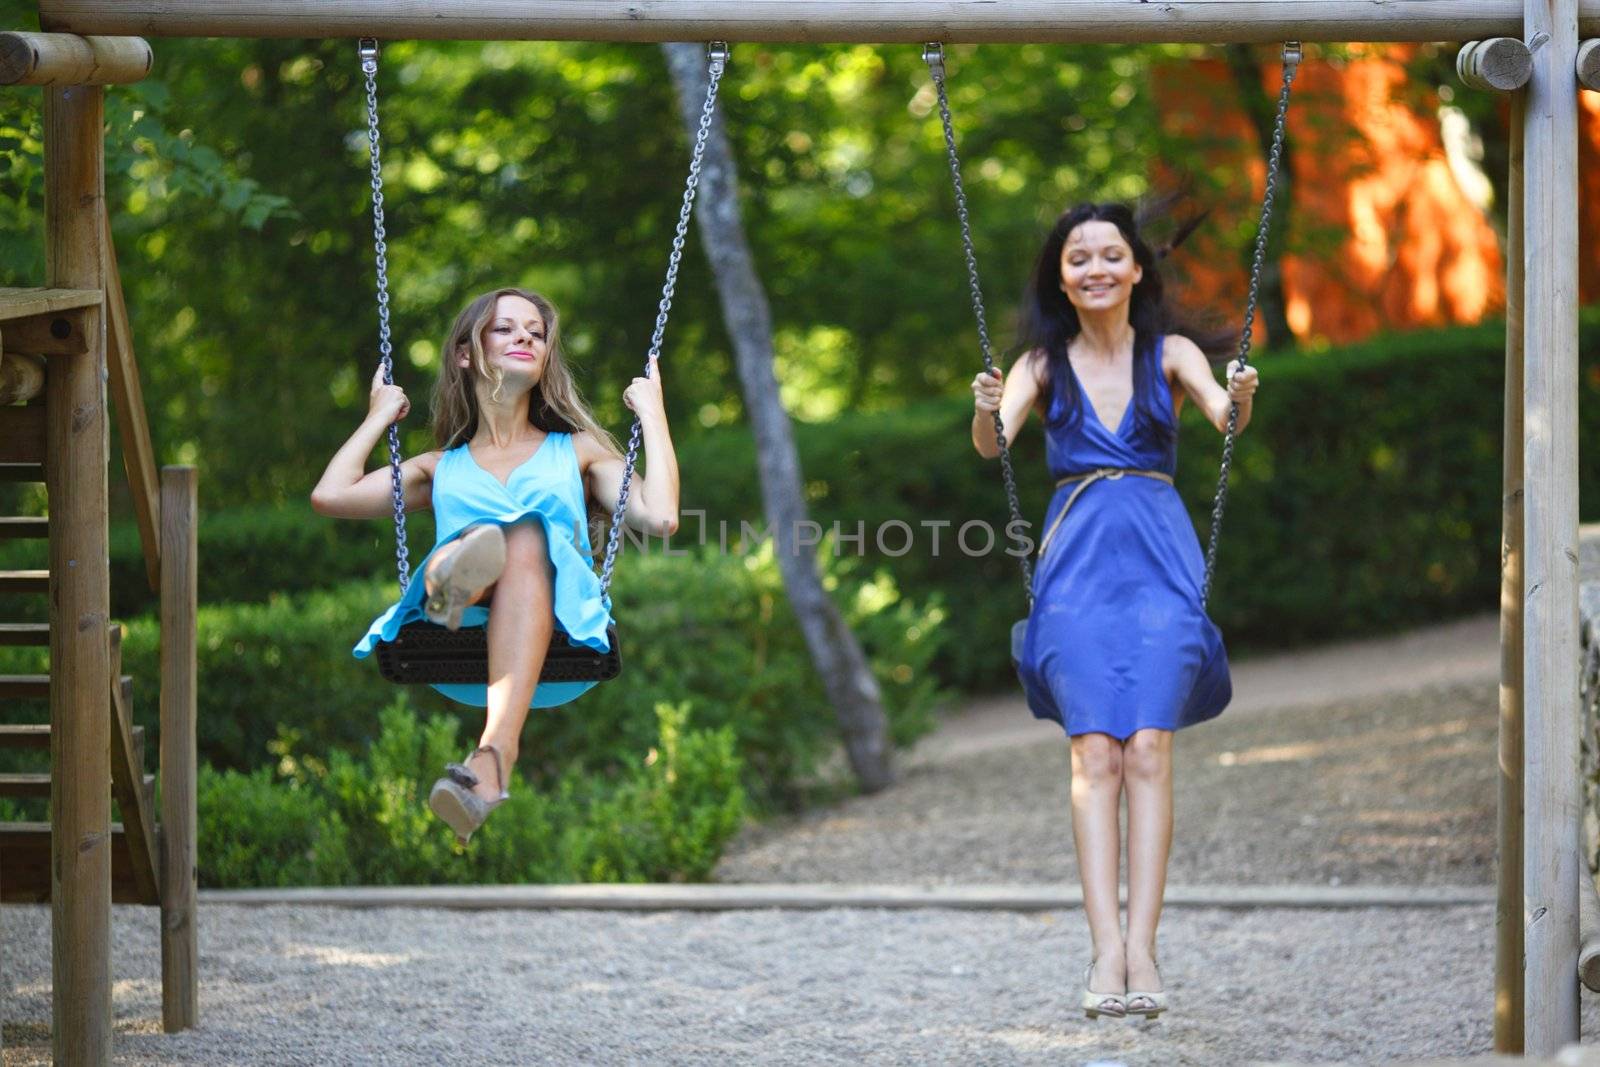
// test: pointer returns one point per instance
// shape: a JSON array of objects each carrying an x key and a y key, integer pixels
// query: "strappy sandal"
[
  {"x": 1111, "y": 1005},
  {"x": 453, "y": 799},
  {"x": 475, "y": 565},
  {"x": 1153, "y": 1003}
]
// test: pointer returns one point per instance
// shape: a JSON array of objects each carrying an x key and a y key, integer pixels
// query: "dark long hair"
[{"x": 1049, "y": 322}]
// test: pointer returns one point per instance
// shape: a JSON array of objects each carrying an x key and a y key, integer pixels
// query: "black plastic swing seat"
[{"x": 423, "y": 653}]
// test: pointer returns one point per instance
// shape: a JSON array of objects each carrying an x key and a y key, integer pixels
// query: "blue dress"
[
  {"x": 1119, "y": 640},
  {"x": 547, "y": 488}
]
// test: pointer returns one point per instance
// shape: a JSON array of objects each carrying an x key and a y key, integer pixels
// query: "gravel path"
[
  {"x": 323, "y": 986},
  {"x": 1396, "y": 790},
  {"x": 1387, "y": 785}
]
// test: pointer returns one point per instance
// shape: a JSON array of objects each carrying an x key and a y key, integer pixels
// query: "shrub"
[
  {"x": 1365, "y": 494},
  {"x": 665, "y": 816},
  {"x": 714, "y": 629}
]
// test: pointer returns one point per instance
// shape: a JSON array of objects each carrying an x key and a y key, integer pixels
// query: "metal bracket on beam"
[{"x": 1496, "y": 65}]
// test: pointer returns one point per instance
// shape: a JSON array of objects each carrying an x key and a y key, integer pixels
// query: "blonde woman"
[{"x": 519, "y": 458}]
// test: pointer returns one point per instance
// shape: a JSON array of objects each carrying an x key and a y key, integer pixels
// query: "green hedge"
[
  {"x": 339, "y": 819},
  {"x": 713, "y": 629},
  {"x": 1365, "y": 494}
]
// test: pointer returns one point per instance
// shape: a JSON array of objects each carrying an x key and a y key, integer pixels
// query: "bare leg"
[
  {"x": 519, "y": 637},
  {"x": 1147, "y": 772},
  {"x": 1096, "y": 790}
]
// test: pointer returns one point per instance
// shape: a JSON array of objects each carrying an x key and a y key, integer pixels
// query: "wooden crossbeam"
[
  {"x": 62, "y": 59},
  {"x": 808, "y": 21}
]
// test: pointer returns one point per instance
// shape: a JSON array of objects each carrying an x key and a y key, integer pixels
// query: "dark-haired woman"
[
  {"x": 1119, "y": 649},
  {"x": 519, "y": 457}
]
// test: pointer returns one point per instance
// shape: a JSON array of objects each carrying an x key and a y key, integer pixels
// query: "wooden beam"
[
  {"x": 22, "y": 433},
  {"x": 64, "y": 59},
  {"x": 24, "y": 303},
  {"x": 80, "y": 593},
  {"x": 1589, "y": 64},
  {"x": 180, "y": 948},
  {"x": 807, "y": 21},
  {"x": 59, "y": 333},
  {"x": 1508, "y": 869},
  {"x": 1553, "y": 795},
  {"x": 1499, "y": 64},
  {"x": 1588, "y": 928},
  {"x": 133, "y": 424},
  {"x": 127, "y": 780}
]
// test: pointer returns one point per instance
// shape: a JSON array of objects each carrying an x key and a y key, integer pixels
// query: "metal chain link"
[
  {"x": 716, "y": 63},
  {"x": 1291, "y": 63},
  {"x": 933, "y": 55},
  {"x": 368, "y": 49}
]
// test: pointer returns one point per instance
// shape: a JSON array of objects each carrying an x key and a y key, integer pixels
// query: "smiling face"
[
  {"x": 515, "y": 341},
  {"x": 1098, "y": 270}
]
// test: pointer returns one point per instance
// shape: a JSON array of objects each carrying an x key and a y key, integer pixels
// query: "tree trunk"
[
  {"x": 1261, "y": 108},
  {"x": 835, "y": 652}
]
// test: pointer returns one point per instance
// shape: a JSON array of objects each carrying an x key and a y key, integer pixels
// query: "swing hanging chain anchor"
[
  {"x": 933, "y": 55},
  {"x": 717, "y": 55},
  {"x": 1292, "y": 53},
  {"x": 367, "y": 47}
]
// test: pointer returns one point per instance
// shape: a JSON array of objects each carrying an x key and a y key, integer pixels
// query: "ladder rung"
[
  {"x": 25, "y": 735},
  {"x": 37, "y": 686},
  {"x": 24, "y": 581},
  {"x": 25, "y": 857},
  {"x": 12, "y": 529},
  {"x": 38, "y": 785},
  {"x": 37, "y": 735},
  {"x": 25, "y": 686},
  {"x": 24, "y": 785},
  {"x": 22, "y": 472},
  {"x": 32, "y": 634}
]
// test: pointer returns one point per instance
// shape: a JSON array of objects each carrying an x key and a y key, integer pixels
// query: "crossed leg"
[{"x": 518, "y": 637}]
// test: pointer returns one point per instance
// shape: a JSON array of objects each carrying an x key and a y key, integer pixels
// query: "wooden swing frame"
[{"x": 1541, "y": 865}]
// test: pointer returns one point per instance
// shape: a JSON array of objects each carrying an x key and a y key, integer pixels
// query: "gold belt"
[{"x": 1087, "y": 479}]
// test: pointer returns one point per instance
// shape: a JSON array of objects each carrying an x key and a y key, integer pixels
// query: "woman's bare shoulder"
[{"x": 427, "y": 462}]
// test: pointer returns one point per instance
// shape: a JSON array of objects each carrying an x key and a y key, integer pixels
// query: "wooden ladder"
[{"x": 152, "y": 861}]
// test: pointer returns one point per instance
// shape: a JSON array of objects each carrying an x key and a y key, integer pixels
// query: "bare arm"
[
  {"x": 1183, "y": 360},
  {"x": 1013, "y": 398},
  {"x": 347, "y": 491},
  {"x": 653, "y": 498}
]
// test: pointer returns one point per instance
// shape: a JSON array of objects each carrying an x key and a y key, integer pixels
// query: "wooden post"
[
  {"x": 1508, "y": 880},
  {"x": 804, "y": 21},
  {"x": 1553, "y": 797},
  {"x": 76, "y": 455},
  {"x": 180, "y": 952}
]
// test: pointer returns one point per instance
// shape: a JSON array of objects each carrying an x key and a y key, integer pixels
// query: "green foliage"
[
  {"x": 238, "y": 183},
  {"x": 362, "y": 820},
  {"x": 714, "y": 629},
  {"x": 1365, "y": 494}
]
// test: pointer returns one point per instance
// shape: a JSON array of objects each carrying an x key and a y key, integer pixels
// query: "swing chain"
[
  {"x": 1291, "y": 63},
  {"x": 368, "y": 49},
  {"x": 933, "y": 56},
  {"x": 716, "y": 64}
]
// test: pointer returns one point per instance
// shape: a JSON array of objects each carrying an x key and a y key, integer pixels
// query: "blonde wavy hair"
[{"x": 556, "y": 405}]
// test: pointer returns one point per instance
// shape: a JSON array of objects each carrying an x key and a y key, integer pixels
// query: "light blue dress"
[
  {"x": 546, "y": 488},
  {"x": 1119, "y": 640}
]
